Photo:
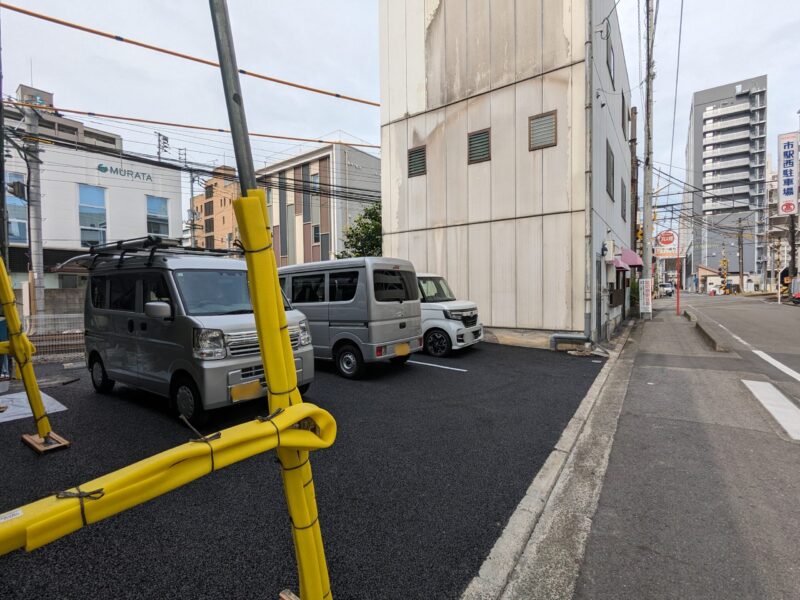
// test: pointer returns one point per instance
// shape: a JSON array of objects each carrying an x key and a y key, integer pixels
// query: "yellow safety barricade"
[{"x": 20, "y": 348}]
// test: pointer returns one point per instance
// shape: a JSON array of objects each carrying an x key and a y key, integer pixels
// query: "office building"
[{"x": 505, "y": 156}]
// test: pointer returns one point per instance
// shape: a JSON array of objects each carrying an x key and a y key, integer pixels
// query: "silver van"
[
  {"x": 181, "y": 325},
  {"x": 360, "y": 310}
]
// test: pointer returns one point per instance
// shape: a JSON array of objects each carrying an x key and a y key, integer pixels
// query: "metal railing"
[{"x": 56, "y": 337}]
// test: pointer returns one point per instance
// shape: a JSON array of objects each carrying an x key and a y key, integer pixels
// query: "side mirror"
[{"x": 158, "y": 310}]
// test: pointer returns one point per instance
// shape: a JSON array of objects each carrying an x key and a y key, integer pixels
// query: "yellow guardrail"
[
  {"x": 20, "y": 348},
  {"x": 293, "y": 429}
]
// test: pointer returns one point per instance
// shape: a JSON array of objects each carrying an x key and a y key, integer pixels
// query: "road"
[{"x": 428, "y": 465}]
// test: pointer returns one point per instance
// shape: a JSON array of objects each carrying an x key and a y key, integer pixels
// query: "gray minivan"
[
  {"x": 359, "y": 310},
  {"x": 181, "y": 325}
]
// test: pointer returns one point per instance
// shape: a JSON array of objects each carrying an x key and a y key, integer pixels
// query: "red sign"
[
  {"x": 666, "y": 238},
  {"x": 788, "y": 208}
]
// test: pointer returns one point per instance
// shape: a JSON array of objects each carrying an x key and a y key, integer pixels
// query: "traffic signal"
[{"x": 17, "y": 188}]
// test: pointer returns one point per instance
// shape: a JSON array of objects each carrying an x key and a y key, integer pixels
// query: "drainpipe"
[{"x": 588, "y": 62}]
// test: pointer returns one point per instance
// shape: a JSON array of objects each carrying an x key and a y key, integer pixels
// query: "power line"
[
  {"x": 162, "y": 50},
  {"x": 675, "y": 99}
]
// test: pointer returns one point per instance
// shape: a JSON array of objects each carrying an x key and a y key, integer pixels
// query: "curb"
[
  {"x": 706, "y": 331},
  {"x": 498, "y": 566}
]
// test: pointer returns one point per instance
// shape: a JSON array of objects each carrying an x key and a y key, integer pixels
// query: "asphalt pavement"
[{"x": 428, "y": 465}]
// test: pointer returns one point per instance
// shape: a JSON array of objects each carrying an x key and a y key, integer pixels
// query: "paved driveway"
[{"x": 428, "y": 465}]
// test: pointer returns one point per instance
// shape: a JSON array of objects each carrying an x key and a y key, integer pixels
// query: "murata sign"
[
  {"x": 787, "y": 174},
  {"x": 126, "y": 173}
]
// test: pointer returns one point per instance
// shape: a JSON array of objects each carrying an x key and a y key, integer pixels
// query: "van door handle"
[
  {"x": 143, "y": 326},
  {"x": 130, "y": 325}
]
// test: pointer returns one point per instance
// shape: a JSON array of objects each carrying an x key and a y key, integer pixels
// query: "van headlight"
[
  {"x": 456, "y": 315},
  {"x": 305, "y": 333},
  {"x": 208, "y": 344}
]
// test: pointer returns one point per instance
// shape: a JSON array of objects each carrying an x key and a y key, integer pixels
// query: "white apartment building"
[
  {"x": 505, "y": 156},
  {"x": 88, "y": 196}
]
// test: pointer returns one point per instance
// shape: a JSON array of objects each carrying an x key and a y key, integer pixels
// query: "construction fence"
[{"x": 56, "y": 337}]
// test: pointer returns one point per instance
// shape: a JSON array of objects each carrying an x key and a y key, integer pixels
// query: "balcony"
[
  {"x": 727, "y": 110},
  {"x": 727, "y": 150},
  {"x": 722, "y": 204},
  {"x": 718, "y": 165},
  {"x": 727, "y": 137},
  {"x": 727, "y": 124},
  {"x": 736, "y": 176}
]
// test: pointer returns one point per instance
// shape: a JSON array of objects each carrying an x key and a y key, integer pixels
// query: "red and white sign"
[
  {"x": 666, "y": 238},
  {"x": 787, "y": 174}
]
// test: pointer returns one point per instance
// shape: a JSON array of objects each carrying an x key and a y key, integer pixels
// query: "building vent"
[
  {"x": 417, "y": 162},
  {"x": 479, "y": 146},
  {"x": 542, "y": 131}
]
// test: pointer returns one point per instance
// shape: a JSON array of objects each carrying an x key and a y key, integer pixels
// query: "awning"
[
  {"x": 630, "y": 258},
  {"x": 621, "y": 266}
]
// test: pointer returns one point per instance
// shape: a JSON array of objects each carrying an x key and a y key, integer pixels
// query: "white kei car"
[{"x": 447, "y": 323}]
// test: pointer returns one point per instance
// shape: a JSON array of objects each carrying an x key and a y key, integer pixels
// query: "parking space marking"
[
  {"x": 416, "y": 362},
  {"x": 18, "y": 407},
  {"x": 779, "y": 406}
]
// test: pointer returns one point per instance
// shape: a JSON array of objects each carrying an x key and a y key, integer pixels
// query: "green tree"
[{"x": 363, "y": 237}]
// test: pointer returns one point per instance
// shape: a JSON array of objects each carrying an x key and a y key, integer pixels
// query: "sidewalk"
[{"x": 701, "y": 494}]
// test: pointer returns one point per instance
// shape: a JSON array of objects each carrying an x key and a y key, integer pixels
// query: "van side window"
[
  {"x": 282, "y": 283},
  {"x": 97, "y": 292},
  {"x": 342, "y": 286},
  {"x": 155, "y": 289},
  {"x": 122, "y": 292},
  {"x": 308, "y": 288},
  {"x": 394, "y": 286}
]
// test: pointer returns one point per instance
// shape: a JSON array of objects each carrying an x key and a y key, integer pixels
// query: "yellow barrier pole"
[
  {"x": 51, "y": 518},
  {"x": 22, "y": 350},
  {"x": 279, "y": 370}
]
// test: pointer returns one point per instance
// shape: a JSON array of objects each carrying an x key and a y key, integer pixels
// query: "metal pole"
[
  {"x": 647, "y": 218},
  {"x": 233, "y": 94},
  {"x": 741, "y": 256},
  {"x": 3, "y": 215},
  {"x": 35, "y": 208},
  {"x": 191, "y": 208}
]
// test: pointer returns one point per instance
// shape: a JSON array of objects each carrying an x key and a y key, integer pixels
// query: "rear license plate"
[{"x": 402, "y": 349}]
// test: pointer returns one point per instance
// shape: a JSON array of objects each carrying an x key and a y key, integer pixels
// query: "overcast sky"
[{"x": 334, "y": 45}]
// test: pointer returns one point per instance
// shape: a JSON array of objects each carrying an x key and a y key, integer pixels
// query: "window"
[
  {"x": 210, "y": 191},
  {"x": 342, "y": 286},
  {"x": 542, "y": 131},
  {"x": 157, "y": 217},
  {"x": 210, "y": 242},
  {"x": 394, "y": 286},
  {"x": 308, "y": 288},
  {"x": 435, "y": 289},
  {"x": 479, "y": 146},
  {"x": 209, "y": 226},
  {"x": 213, "y": 291},
  {"x": 315, "y": 234},
  {"x": 155, "y": 289},
  {"x": 623, "y": 193},
  {"x": 417, "y": 162},
  {"x": 269, "y": 196},
  {"x": 92, "y": 214},
  {"x": 624, "y": 117},
  {"x": 610, "y": 56},
  {"x": 609, "y": 171},
  {"x": 97, "y": 292},
  {"x": 208, "y": 208},
  {"x": 17, "y": 212},
  {"x": 122, "y": 292}
]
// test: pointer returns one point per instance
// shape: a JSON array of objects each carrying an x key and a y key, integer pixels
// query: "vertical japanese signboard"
[
  {"x": 646, "y": 296},
  {"x": 787, "y": 174}
]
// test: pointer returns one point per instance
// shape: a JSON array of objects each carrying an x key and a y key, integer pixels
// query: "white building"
[
  {"x": 486, "y": 176},
  {"x": 87, "y": 196}
]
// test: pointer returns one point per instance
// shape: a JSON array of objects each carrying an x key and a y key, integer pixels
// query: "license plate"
[
  {"x": 249, "y": 390},
  {"x": 402, "y": 349}
]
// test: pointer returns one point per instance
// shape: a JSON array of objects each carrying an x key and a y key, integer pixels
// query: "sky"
[{"x": 334, "y": 45}]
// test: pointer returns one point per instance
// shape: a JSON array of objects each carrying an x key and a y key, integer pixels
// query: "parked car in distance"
[
  {"x": 447, "y": 323},
  {"x": 360, "y": 310},
  {"x": 666, "y": 289},
  {"x": 180, "y": 324}
]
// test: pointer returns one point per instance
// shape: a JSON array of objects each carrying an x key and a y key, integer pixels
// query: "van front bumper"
[
  {"x": 468, "y": 336},
  {"x": 230, "y": 382}
]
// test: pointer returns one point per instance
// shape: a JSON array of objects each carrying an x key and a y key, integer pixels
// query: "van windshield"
[
  {"x": 435, "y": 289},
  {"x": 215, "y": 292},
  {"x": 394, "y": 286}
]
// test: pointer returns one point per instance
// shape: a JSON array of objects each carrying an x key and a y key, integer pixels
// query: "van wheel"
[
  {"x": 303, "y": 388},
  {"x": 349, "y": 362},
  {"x": 437, "y": 343},
  {"x": 186, "y": 401},
  {"x": 100, "y": 380},
  {"x": 399, "y": 360}
]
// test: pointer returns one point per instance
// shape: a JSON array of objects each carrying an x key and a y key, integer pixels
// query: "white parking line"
[
  {"x": 416, "y": 362},
  {"x": 777, "y": 364},
  {"x": 736, "y": 337},
  {"x": 779, "y": 406}
]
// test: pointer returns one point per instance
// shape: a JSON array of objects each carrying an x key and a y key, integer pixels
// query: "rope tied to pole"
[
  {"x": 82, "y": 496},
  {"x": 203, "y": 439}
]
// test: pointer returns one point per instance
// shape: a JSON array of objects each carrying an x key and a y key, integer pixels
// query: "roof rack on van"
[{"x": 149, "y": 245}]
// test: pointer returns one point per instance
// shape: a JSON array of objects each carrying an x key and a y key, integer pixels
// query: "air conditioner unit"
[{"x": 610, "y": 251}]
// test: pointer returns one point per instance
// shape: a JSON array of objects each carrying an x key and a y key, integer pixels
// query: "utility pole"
[
  {"x": 793, "y": 246},
  {"x": 741, "y": 256},
  {"x": 163, "y": 144},
  {"x": 634, "y": 177},
  {"x": 192, "y": 212},
  {"x": 647, "y": 218},
  {"x": 36, "y": 272}
]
